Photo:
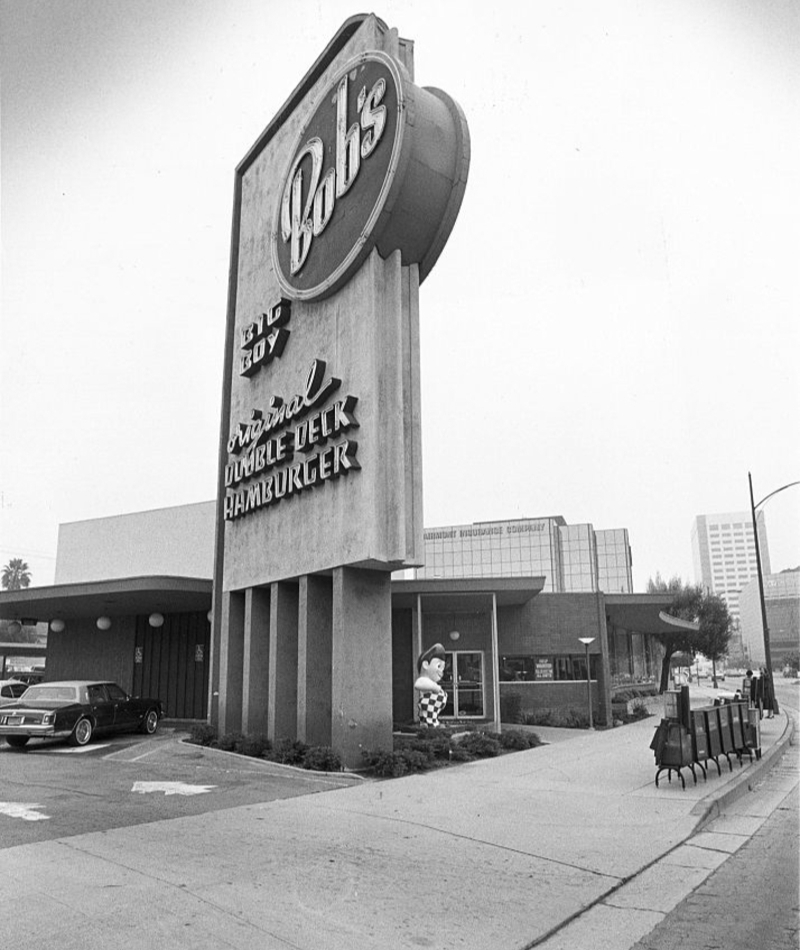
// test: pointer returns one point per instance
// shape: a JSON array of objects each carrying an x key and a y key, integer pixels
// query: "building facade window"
[
  {"x": 546, "y": 668},
  {"x": 573, "y": 558}
]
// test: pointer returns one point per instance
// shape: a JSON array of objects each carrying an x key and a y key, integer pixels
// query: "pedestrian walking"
[
  {"x": 770, "y": 700},
  {"x": 746, "y": 684},
  {"x": 757, "y": 693}
]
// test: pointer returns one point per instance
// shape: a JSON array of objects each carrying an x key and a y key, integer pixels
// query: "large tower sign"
[{"x": 341, "y": 209}]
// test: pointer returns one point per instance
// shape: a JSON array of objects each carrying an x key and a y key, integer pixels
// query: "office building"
[
  {"x": 724, "y": 552},
  {"x": 782, "y": 602},
  {"x": 571, "y": 558}
]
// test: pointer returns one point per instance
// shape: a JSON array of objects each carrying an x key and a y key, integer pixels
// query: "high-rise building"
[
  {"x": 724, "y": 551},
  {"x": 571, "y": 558},
  {"x": 782, "y": 603}
]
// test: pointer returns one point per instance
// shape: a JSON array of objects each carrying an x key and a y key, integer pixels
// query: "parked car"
[
  {"x": 28, "y": 678},
  {"x": 76, "y": 710},
  {"x": 11, "y": 689}
]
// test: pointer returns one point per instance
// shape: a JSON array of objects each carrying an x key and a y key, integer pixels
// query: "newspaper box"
[
  {"x": 753, "y": 731},
  {"x": 700, "y": 736},
  {"x": 712, "y": 732},
  {"x": 737, "y": 725},
  {"x": 725, "y": 729}
]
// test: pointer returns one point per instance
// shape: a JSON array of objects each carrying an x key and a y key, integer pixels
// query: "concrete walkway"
[{"x": 492, "y": 854}]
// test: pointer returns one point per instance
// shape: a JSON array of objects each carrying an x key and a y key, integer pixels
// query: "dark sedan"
[{"x": 76, "y": 710}]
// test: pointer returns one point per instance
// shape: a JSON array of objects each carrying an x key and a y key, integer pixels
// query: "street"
[
  {"x": 52, "y": 790},
  {"x": 752, "y": 899}
]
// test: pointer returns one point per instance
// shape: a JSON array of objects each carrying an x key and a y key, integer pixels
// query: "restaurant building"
[{"x": 133, "y": 598}]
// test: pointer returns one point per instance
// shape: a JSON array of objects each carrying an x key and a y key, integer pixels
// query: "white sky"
[{"x": 611, "y": 333}]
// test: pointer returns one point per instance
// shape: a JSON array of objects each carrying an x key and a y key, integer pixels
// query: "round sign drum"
[{"x": 380, "y": 162}]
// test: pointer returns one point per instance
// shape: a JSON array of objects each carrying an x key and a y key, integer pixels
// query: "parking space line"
[
  {"x": 69, "y": 750},
  {"x": 136, "y": 758}
]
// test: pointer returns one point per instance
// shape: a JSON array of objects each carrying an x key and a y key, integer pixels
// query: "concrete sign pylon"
[{"x": 341, "y": 208}]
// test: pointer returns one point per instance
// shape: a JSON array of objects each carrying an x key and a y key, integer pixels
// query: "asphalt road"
[
  {"x": 753, "y": 899},
  {"x": 52, "y": 790}
]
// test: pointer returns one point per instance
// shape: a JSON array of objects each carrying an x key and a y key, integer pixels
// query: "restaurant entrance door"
[{"x": 463, "y": 681}]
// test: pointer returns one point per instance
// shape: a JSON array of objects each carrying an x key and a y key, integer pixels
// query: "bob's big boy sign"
[{"x": 342, "y": 209}]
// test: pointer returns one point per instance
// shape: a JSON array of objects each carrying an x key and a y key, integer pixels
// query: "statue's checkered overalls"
[{"x": 430, "y": 705}]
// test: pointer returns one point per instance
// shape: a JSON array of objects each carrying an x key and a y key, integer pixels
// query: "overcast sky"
[{"x": 611, "y": 333}]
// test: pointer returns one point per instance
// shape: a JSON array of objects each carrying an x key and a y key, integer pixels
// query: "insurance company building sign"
[{"x": 342, "y": 208}]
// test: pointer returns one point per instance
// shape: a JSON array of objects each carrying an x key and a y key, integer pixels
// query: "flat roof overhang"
[
  {"x": 646, "y": 613},
  {"x": 471, "y": 592},
  {"x": 122, "y": 597}
]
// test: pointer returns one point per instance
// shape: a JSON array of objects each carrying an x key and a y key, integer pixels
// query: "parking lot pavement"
[
  {"x": 506, "y": 851},
  {"x": 52, "y": 790}
]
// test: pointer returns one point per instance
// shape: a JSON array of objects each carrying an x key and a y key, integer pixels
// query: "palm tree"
[{"x": 16, "y": 574}]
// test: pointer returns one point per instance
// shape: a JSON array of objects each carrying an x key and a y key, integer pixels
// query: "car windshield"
[{"x": 37, "y": 693}]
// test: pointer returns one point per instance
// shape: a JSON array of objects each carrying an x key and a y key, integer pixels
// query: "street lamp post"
[
  {"x": 753, "y": 507},
  {"x": 586, "y": 641}
]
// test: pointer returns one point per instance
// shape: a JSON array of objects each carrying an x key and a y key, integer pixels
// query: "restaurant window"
[{"x": 559, "y": 667}]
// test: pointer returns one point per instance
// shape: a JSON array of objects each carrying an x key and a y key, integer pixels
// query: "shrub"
[
  {"x": 540, "y": 717},
  {"x": 416, "y": 760},
  {"x": 576, "y": 719},
  {"x": 433, "y": 743},
  {"x": 639, "y": 711},
  {"x": 397, "y": 763},
  {"x": 257, "y": 745},
  {"x": 287, "y": 752},
  {"x": 433, "y": 734},
  {"x": 230, "y": 742},
  {"x": 460, "y": 754},
  {"x": 634, "y": 692},
  {"x": 562, "y": 718},
  {"x": 480, "y": 745},
  {"x": 202, "y": 733},
  {"x": 515, "y": 740},
  {"x": 322, "y": 758},
  {"x": 386, "y": 764}
]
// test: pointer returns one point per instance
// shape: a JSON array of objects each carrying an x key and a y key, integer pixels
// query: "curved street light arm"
[
  {"x": 764, "y": 625},
  {"x": 760, "y": 503}
]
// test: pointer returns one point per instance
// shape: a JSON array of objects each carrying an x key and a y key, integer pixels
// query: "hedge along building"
[{"x": 341, "y": 208}]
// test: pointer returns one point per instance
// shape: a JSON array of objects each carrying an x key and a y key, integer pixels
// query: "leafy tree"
[
  {"x": 709, "y": 611},
  {"x": 16, "y": 575},
  {"x": 685, "y": 605},
  {"x": 716, "y": 627}
]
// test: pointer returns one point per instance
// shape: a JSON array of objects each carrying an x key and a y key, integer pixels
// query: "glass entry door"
[{"x": 465, "y": 699}]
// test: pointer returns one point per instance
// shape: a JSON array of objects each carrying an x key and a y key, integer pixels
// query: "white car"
[{"x": 11, "y": 689}]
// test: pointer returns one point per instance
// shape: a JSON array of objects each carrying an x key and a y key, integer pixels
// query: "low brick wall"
[{"x": 518, "y": 699}]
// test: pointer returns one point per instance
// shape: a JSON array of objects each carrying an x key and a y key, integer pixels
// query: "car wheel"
[
  {"x": 17, "y": 742},
  {"x": 150, "y": 722},
  {"x": 82, "y": 733}
]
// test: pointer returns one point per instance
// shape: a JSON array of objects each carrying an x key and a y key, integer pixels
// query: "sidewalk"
[{"x": 492, "y": 854}]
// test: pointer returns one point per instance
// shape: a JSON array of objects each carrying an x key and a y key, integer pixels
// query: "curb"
[{"x": 707, "y": 811}]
